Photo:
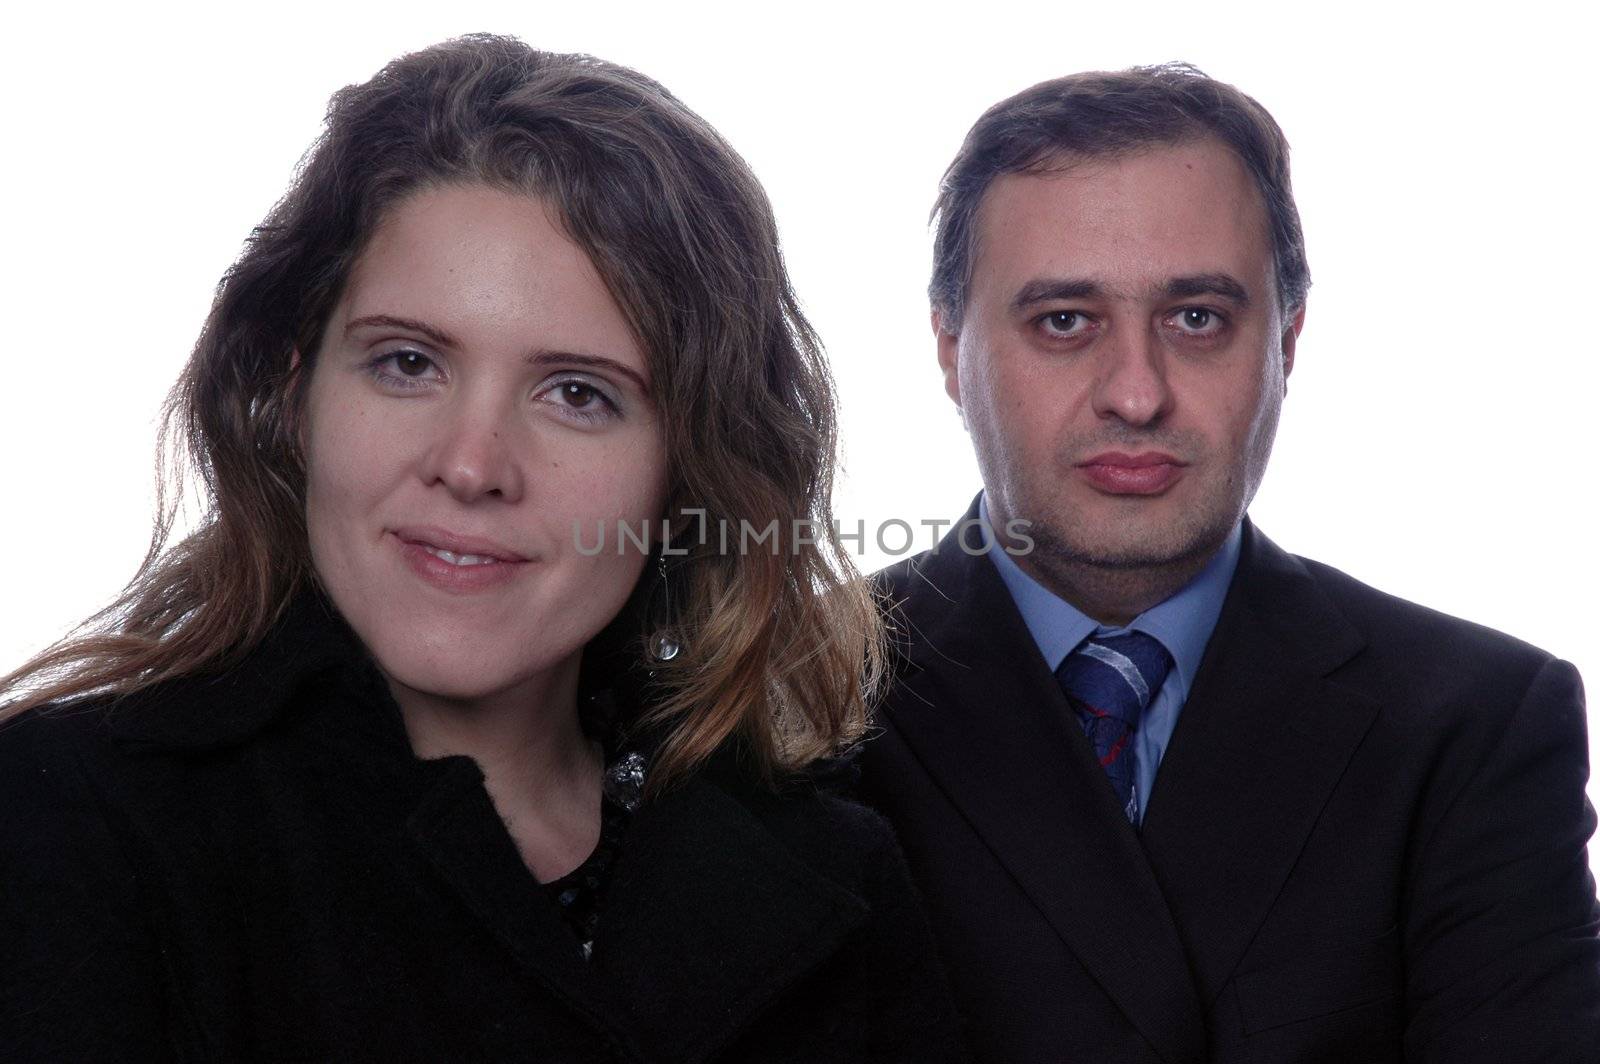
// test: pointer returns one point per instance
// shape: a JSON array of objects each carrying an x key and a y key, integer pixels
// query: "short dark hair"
[{"x": 1105, "y": 113}]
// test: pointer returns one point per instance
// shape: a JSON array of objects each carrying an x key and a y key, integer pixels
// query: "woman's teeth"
[{"x": 459, "y": 559}]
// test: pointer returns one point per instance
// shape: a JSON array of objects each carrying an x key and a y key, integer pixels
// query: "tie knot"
[{"x": 1116, "y": 675}]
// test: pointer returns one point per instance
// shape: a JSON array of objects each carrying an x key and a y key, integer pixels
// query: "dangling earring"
[{"x": 664, "y": 644}]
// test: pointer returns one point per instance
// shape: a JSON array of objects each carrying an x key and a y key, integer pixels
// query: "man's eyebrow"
[
  {"x": 1207, "y": 284},
  {"x": 1044, "y": 290},
  {"x": 1188, "y": 286},
  {"x": 389, "y": 321},
  {"x": 545, "y": 357}
]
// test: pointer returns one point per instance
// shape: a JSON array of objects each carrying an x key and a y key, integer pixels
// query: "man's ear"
[
  {"x": 948, "y": 344},
  {"x": 1291, "y": 333}
]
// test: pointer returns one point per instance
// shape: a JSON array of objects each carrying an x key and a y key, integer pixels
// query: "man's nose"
[
  {"x": 470, "y": 452},
  {"x": 1131, "y": 379}
]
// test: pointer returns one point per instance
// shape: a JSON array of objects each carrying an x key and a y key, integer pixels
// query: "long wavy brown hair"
[{"x": 781, "y": 643}]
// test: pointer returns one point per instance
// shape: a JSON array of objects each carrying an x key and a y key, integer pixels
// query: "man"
[{"x": 1171, "y": 793}]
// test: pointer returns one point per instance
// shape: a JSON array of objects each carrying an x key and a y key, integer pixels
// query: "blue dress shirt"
[{"x": 1182, "y": 623}]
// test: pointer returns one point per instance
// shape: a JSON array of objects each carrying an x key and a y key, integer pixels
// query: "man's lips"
[{"x": 1119, "y": 473}]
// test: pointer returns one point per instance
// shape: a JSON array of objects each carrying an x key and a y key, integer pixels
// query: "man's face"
[{"x": 1122, "y": 357}]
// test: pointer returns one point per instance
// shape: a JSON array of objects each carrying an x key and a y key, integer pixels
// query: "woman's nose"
[{"x": 471, "y": 454}]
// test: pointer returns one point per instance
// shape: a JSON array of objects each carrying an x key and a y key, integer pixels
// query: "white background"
[{"x": 1438, "y": 439}]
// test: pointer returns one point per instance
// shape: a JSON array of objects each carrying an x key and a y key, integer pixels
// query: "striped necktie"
[{"x": 1110, "y": 681}]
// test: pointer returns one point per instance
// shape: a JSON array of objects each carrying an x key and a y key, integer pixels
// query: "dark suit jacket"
[
  {"x": 1365, "y": 842},
  {"x": 257, "y": 867}
]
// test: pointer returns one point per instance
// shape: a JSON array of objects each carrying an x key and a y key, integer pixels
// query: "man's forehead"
[{"x": 1147, "y": 216}]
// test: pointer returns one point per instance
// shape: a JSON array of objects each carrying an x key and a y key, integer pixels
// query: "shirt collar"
[{"x": 1183, "y": 623}]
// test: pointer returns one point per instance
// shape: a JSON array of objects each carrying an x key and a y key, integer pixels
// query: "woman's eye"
[
  {"x": 411, "y": 363},
  {"x": 404, "y": 369},
  {"x": 581, "y": 399},
  {"x": 579, "y": 395}
]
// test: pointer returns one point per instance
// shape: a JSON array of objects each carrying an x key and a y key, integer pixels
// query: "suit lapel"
[
  {"x": 981, "y": 711},
  {"x": 1260, "y": 745}
]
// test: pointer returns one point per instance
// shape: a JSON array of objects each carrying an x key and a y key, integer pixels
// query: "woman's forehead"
[{"x": 487, "y": 268}]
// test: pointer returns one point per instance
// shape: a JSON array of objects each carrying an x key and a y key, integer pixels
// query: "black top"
[
  {"x": 257, "y": 866},
  {"x": 578, "y": 893}
]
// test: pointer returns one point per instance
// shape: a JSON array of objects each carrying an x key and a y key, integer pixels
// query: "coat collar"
[
  {"x": 1160, "y": 918},
  {"x": 708, "y": 917},
  {"x": 310, "y": 643}
]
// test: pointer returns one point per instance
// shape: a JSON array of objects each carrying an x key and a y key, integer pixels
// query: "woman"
[{"x": 388, "y": 760}]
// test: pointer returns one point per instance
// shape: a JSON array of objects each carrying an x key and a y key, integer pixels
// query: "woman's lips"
[
  {"x": 459, "y": 564},
  {"x": 1116, "y": 473},
  {"x": 457, "y": 543}
]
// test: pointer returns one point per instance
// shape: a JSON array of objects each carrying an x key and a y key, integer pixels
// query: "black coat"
[
  {"x": 1365, "y": 843},
  {"x": 258, "y": 867}
]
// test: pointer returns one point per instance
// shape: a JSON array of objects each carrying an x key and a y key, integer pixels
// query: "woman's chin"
[{"x": 470, "y": 680}]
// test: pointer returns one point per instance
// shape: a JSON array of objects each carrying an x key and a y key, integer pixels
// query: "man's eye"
[
  {"x": 1198, "y": 320},
  {"x": 1064, "y": 323}
]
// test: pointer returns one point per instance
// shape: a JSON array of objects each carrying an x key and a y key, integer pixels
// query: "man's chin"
[{"x": 1127, "y": 548}]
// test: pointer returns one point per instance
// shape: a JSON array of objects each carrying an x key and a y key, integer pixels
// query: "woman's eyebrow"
[
  {"x": 545, "y": 356},
  {"x": 390, "y": 321}
]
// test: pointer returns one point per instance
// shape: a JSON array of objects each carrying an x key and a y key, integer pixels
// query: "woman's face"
[{"x": 478, "y": 399}]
